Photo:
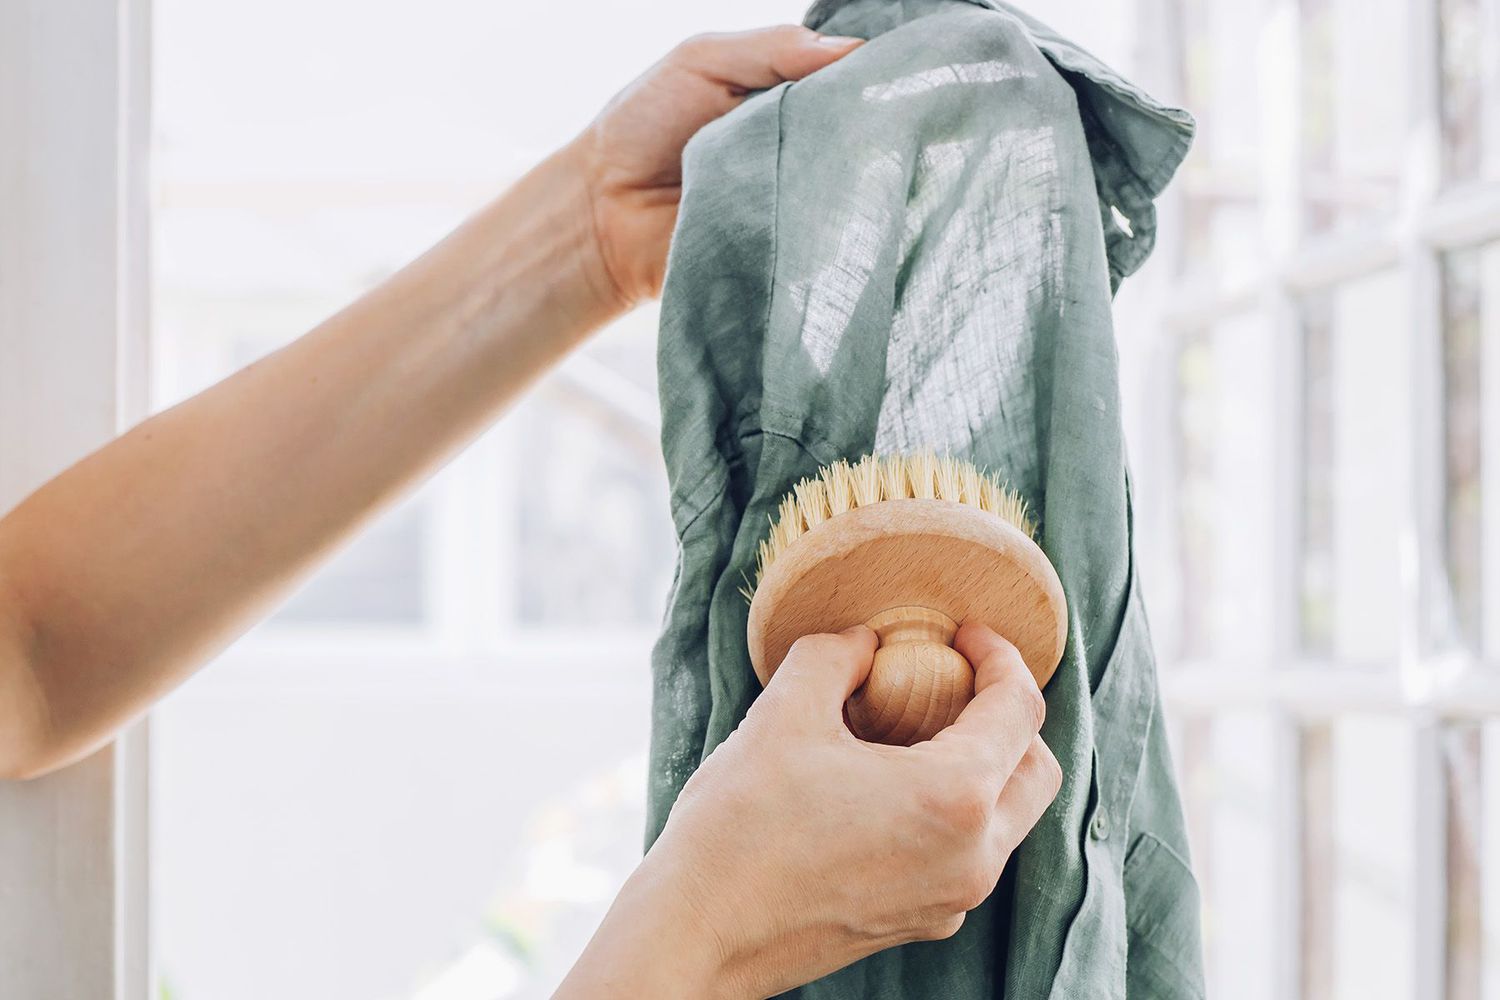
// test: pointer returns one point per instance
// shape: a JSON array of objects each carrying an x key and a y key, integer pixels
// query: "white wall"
[{"x": 72, "y": 352}]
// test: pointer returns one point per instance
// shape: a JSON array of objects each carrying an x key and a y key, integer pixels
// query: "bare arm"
[
  {"x": 126, "y": 572},
  {"x": 796, "y": 849}
]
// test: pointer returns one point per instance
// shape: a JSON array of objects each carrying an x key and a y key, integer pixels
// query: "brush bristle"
[{"x": 841, "y": 487}]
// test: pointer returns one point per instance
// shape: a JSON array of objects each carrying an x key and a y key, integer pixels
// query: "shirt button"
[{"x": 1099, "y": 828}]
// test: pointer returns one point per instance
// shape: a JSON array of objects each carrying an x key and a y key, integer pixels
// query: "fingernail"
[{"x": 838, "y": 41}]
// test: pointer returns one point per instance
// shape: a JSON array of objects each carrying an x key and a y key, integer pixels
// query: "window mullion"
[
  {"x": 1280, "y": 161},
  {"x": 1461, "y": 219},
  {"x": 1424, "y": 574}
]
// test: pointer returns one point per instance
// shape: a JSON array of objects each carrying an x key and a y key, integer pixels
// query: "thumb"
[
  {"x": 821, "y": 671},
  {"x": 754, "y": 60}
]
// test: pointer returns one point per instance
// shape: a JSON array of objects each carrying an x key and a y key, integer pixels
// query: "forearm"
[
  {"x": 125, "y": 572},
  {"x": 795, "y": 849},
  {"x": 652, "y": 943}
]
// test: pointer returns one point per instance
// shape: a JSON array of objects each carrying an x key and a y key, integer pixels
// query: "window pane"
[
  {"x": 366, "y": 830},
  {"x": 1471, "y": 759},
  {"x": 1461, "y": 372},
  {"x": 1197, "y": 381},
  {"x": 1469, "y": 102},
  {"x": 1229, "y": 789},
  {"x": 1226, "y": 387},
  {"x": 1317, "y": 475},
  {"x": 1358, "y": 858},
  {"x": 1355, "y": 406},
  {"x": 1221, "y": 83},
  {"x": 1471, "y": 367},
  {"x": 1488, "y": 826},
  {"x": 596, "y": 539},
  {"x": 1356, "y": 70},
  {"x": 377, "y": 580},
  {"x": 1470, "y": 302},
  {"x": 1462, "y": 747}
]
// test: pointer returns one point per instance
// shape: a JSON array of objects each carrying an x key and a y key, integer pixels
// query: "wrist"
[
  {"x": 657, "y": 940},
  {"x": 525, "y": 276},
  {"x": 676, "y": 909},
  {"x": 595, "y": 277}
]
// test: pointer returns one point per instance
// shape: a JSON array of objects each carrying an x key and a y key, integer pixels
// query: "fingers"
[
  {"x": 753, "y": 60},
  {"x": 1008, "y": 708},
  {"x": 1032, "y": 787},
  {"x": 820, "y": 672}
]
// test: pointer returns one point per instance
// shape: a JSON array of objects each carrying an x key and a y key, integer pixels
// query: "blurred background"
[{"x": 423, "y": 778}]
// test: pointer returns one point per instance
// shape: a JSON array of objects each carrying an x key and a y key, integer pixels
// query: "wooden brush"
[{"x": 912, "y": 546}]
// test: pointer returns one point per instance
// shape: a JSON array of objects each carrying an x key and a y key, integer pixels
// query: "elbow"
[
  {"x": 24, "y": 749},
  {"x": 16, "y": 767},
  {"x": 30, "y": 743},
  {"x": 27, "y": 746},
  {"x": 27, "y": 741},
  {"x": 27, "y": 749}
]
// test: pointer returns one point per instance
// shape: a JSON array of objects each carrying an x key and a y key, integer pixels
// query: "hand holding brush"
[{"x": 797, "y": 848}]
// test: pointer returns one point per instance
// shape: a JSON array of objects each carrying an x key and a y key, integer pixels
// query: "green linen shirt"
[{"x": 917, "y": 247}]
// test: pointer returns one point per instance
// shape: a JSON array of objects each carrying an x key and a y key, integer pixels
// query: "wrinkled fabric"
[{"x": 917, "y": 248}]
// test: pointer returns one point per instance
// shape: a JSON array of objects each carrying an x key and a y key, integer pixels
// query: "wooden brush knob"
[
  {"x": 912, "y": 569},
  {"x": 918, "y": 683}
]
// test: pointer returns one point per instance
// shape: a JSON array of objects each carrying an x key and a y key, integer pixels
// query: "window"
[
  {"x": 1356, "y": 61},
  {"x": 1318, "y": 511},
  {"x": 424, "y": 776},
  {"x": 1470, "y": 90},
  {"x": 1330, "y": 303}
]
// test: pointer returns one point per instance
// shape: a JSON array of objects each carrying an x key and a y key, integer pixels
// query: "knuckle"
[
  {"x": 768, "y": 708},
  {"x": 1039, "y": 778},
  {"x": 1012, "y": 675},
  {"x": 1034, "y": 704},
  {"x": 972, "y": 895},
  {"x": 798, "y": 652},
  {"x": 1040, "y": 768},
  {"x": 1007, "y": 658},
  {"x": 777, "y": 715},
  {"x": 973, "y": 890},
  {"x": 1051, "y": 770},
  {"x": 807, "y": 647},
  {"x": 967, "y": 807}
]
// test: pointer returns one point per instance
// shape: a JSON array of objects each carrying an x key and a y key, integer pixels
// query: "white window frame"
[
  {"x": 74, "y": 114},
  {"x": 1422, "y": 685}
]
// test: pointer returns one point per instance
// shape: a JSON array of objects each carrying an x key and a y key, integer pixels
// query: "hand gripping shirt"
[{"x": 917, "y": 248}]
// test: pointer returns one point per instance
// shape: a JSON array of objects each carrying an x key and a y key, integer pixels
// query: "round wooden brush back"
[{"x": 913, "y": 570}]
